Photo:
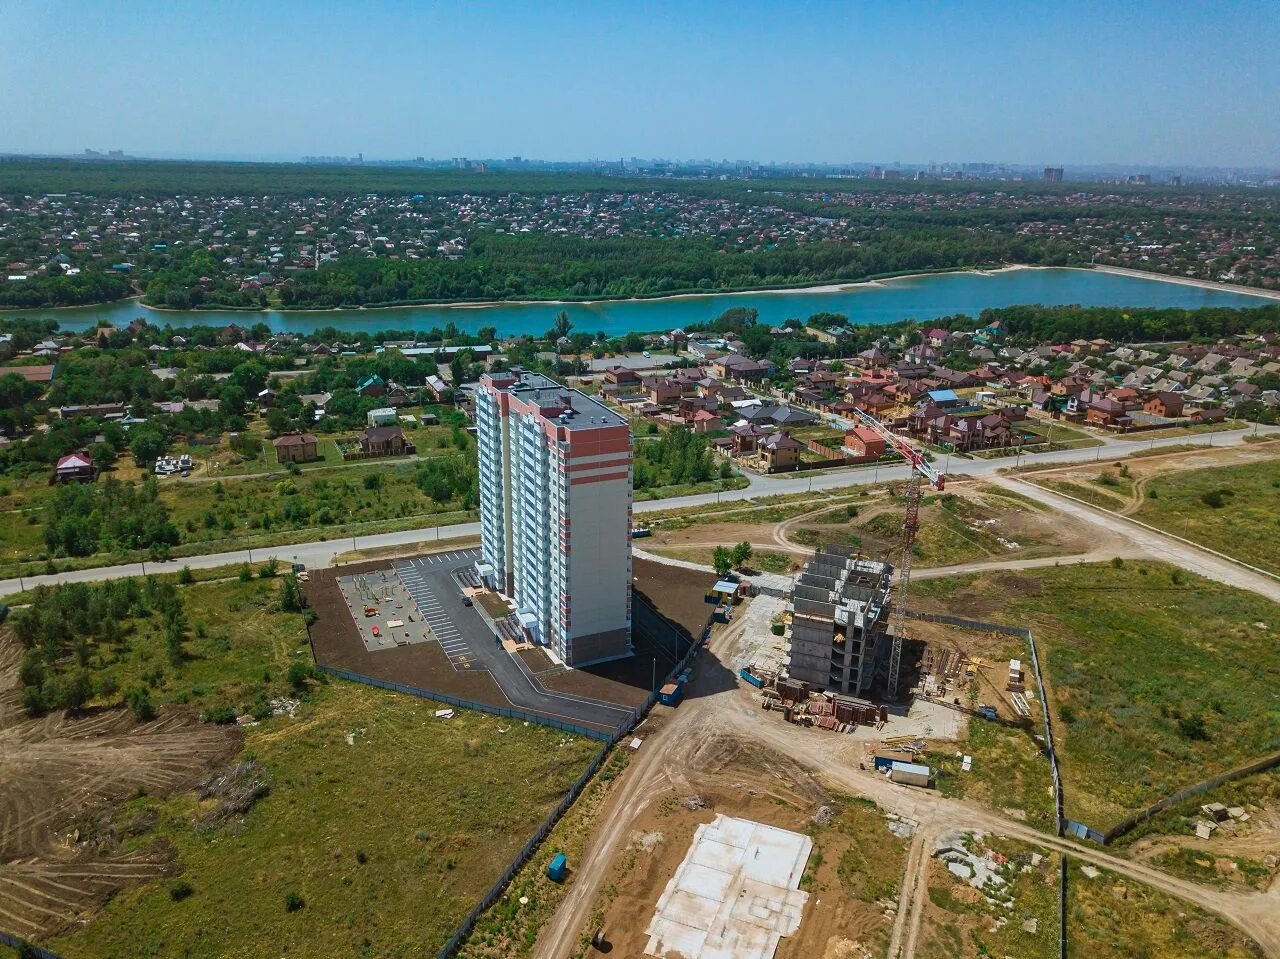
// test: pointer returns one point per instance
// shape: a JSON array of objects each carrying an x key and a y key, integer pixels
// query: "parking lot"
[
  {"x": 471, "y": 645},
  {"x": 425, "y": 578}
]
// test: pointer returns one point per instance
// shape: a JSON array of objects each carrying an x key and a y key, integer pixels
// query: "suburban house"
[
  {"x": 74, "y": 468},
  {"x": 736, "y": 367},
  {"x": 779, "y": 452},
  {"x": 372, "y": 385},
  {"x": 862, "y": 443},
  {"x": 1210, "y": 414},
  {"x": 436, "y": 387},
  {"x": 1168, "y": 405},
  {"x": 385, "y": 441},
  {"x": 383, "y": 416},
  {"x": 295, "y": 448},
  {"x": 1109, "y": 413},
  {"x": 621, "y": 376}
]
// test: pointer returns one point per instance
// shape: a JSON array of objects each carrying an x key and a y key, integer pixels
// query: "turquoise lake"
[{"x": 919, "y": 298}]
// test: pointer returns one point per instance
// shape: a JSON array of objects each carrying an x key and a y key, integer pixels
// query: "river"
[{"x": 919, "y": 298}]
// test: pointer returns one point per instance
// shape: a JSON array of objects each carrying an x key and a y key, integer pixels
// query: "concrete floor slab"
[{"x": 735, "y": 895}]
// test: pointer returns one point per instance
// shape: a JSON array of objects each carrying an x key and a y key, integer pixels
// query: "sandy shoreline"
[
  {"x": 488, "y": 304},
  {"x": 1189, "y": 281}
]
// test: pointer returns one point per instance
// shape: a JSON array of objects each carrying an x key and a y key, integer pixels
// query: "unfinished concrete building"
[{"x": 839, "y": 621}]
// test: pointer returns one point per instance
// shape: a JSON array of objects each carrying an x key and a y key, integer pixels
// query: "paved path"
[{"x": 321, "y": 554}]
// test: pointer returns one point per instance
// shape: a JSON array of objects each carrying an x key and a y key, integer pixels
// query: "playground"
[{"x": 383, "y": 611}]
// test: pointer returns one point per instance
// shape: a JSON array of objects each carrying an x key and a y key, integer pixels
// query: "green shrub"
[
  {"x": 139, "y": 702},
  {"x": 223, "y": 715},
  {"x": 293, "y": 902},
  {"x": 180, "y": 890}
]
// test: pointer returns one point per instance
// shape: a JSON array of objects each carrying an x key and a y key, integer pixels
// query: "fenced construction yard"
[{"x": 1156, "y": 678}]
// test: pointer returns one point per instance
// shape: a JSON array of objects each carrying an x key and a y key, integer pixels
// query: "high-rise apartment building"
[
  {"x": 555, "y": 513},
  {"x": 1053, "y": 174}
]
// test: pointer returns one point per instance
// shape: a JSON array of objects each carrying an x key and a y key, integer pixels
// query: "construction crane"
[{"x": 921, "y": 471}]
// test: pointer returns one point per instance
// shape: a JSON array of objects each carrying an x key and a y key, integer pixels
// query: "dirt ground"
[
  {"x": 728, "y": 776},
  {"x": 679, "y": 594},
  {"x": 1000, "y": 528},
  {"x": 61, "y": 854}
]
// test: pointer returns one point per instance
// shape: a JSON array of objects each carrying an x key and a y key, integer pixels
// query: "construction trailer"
[
  {"x": 909, "y": 774},
  {"x": 839, "y": 621}
]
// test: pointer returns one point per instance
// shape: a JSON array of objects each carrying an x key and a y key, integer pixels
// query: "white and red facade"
[{"x": 555, "y": 513}]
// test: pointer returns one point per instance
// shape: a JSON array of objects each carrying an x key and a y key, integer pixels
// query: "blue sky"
[{"x": 1160, "y": 83}]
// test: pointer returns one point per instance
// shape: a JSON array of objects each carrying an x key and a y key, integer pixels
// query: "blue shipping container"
[
  {"x": 671, "y": 694},
  {"x": 755, "y": 681},
  {"x": 558, "y": 868}
]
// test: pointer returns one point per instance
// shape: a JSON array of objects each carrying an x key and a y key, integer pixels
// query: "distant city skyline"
[{"x": 1081, "y": 85}]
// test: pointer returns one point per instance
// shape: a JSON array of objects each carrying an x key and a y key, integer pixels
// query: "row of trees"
[
  {"x": 43, "y": 291},
  {"x": 501, "y": 267}
]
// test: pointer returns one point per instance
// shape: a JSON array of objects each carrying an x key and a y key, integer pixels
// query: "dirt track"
[
  {"x": 62, "y": 774},
  {"x": 669, "y": 765}
]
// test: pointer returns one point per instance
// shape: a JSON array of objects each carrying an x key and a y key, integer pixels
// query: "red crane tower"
[{"x": 920, "y": 471}]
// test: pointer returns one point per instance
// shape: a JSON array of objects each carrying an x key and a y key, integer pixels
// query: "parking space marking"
[{"x": 442, "y": 628}]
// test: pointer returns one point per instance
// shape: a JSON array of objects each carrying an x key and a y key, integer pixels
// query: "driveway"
[{"x": 471, "y": 645}]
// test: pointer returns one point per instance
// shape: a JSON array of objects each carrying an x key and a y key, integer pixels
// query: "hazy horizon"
[{"x": 1100, "y": 84}]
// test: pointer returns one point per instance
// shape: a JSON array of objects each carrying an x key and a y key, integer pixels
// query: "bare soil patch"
[
  {"x": 62, "y": 775},
  {"x": 844, "y": 875}
]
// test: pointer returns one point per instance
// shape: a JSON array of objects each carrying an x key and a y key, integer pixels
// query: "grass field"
[
  {"x": 1244, "y": 523},
  {"x": 237, "y": 650},
  {"x": 1009, "y": 772},
  {"x": 381, "y": 828},
  {"x": 1157, "y": 678},
  {"x": 1109, "y": 917}
]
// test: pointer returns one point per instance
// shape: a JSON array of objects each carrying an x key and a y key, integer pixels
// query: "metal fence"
[
  {"x": 18, "y": 944},
  {"x": 1026, "y": 635},
  {"x": 1062, "y": 821},
  {"x": 1160, "y": 805},
  {"x": 526, "y": 853}
]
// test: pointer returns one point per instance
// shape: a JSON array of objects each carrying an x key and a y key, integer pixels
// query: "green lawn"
[
  {"x": 1158, "y": 678},
  {"x": 385, "y": 822}
]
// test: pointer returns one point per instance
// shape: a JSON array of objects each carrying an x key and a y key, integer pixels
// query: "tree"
[
  {"x": 292, "y": 599},
  {"x": 147, "y": 444},
  {"x": 741, "y": 554},
  {"x": 560, "y": 327},
  {"x": 103, "y": 455},
  {"x": 722, "y": 560}
]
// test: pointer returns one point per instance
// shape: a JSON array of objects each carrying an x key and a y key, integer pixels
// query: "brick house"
[
  {"x": 779, "y": 451},
  {"x": 295, "y": 448},
  {"x": 1168, "y": 405},
  {"x": 864, "y": 444},
  {"x": 385, "y": 441}
]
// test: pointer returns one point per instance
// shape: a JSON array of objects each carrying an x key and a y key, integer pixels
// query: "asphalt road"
[{"x": 322, "y": 554}]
